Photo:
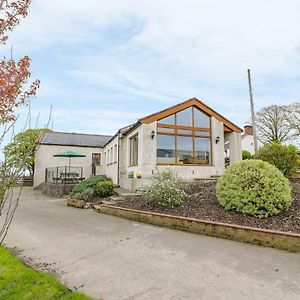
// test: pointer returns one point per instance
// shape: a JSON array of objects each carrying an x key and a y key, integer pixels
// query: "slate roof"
[{"x": 73, "y": 139}]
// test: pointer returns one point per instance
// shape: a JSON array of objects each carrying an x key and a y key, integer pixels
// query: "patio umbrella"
[{"x": 69, "y": 154}]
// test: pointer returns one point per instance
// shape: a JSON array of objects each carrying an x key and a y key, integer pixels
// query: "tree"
[
  {"x": 15, "y": 90},
  {"x": 294, "y": 118},
  {"x": 23, "y": 145},
  {"x": 272, "y": 124}
]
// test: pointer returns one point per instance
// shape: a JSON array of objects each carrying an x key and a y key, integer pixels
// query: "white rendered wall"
[{"x": 44, "y": 159}]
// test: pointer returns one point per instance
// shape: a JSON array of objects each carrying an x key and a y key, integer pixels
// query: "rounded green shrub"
[
  {"x": 87, "y": 194},
  {"x": 282, "y": 157},
  {"x": 166, "y": 190},
  {"x": 254, "y": 187},
  {"x": 90, "y": 182},
  {"x": 246, "y": 154},
  {"x": 104, "y": 188}
]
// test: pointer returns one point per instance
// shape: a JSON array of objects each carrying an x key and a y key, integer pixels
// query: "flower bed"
[{"x": 202, "y": 204}]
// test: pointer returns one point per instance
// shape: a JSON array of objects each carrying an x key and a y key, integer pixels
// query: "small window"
[
  {"x": 96, "y": 159},
  {"x": 111, "y": 155},
  {"x": 116, "y": 153},
  {"x": 107, "y": 158},
  {"x": 134, "y": 150}
]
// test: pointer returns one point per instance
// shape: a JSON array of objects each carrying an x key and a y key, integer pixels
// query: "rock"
[
  {"x": 76, "y": 203},
  {"x": 87, "y": 205}
]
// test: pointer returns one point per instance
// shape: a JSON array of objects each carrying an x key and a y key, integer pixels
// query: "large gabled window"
[
  {"x": 134, "y": 147},
  {"x": 184, "y": 138}
]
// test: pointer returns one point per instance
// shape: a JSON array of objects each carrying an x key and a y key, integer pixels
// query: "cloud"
[{"x": 162, "y": 52}]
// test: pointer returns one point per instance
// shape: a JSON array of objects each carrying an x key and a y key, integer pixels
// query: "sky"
[{"x": 104, "y": 64}]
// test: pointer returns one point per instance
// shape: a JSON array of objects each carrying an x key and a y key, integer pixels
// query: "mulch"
[{"x": 202, "y": 204}]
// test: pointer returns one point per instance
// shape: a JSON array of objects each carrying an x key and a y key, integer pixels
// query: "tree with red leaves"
[
  {"x": 15, "y": 90},
  {"x": 14, "y": 75}
]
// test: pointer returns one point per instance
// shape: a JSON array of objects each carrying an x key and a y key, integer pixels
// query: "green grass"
[{"x": 18, "y": 282}]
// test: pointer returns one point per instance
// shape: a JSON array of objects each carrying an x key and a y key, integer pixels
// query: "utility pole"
[{"x": 252, "y": 112}]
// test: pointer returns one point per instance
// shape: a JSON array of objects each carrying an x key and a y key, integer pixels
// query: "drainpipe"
[{"x": 118, "y": 177}]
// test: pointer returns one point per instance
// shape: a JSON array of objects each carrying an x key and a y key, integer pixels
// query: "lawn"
[{"x": 17, "y": 281}]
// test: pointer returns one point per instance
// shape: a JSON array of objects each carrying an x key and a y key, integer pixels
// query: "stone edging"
[{"x": 264, "y": 237}]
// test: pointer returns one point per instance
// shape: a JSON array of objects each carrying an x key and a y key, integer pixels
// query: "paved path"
[{"x": 112, "y": 258}]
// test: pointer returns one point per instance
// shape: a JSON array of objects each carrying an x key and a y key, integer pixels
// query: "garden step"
[{"x": 126, "y": 194}]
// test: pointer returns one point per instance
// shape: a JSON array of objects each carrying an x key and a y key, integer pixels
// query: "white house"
[
  {"x": 188, "y": 138},
  {"x": 248, "y": 140}
]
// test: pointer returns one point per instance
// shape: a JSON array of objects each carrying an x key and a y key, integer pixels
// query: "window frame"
[
  {"x": 100, "y": 157},
  {"x": 133, "y": 163},
  {"x": 194, "y": 134}
]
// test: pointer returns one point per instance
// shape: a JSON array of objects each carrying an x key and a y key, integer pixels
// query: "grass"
[{"x": 18, "y": 282}]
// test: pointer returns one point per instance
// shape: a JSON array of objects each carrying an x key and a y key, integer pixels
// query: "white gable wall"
[{"x": 44, "y": 159}]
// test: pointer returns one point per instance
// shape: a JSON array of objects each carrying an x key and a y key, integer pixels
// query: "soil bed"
[{"x": 202, "y": 204}]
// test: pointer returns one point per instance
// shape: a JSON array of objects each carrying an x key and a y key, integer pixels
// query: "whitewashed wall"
[{"x": 44, "y": 159}]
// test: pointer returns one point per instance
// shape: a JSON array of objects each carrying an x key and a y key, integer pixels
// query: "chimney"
[{"x": 248, "y": 129}]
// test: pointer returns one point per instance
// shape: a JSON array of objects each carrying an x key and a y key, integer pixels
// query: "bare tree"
[
  {"x": 294, "y": 118},
  {"x": 273, "y": 124}
]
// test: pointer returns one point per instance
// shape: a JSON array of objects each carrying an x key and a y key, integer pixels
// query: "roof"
[
  {"x": 73, "y": 139},
  {"x": 228, "y": 125}
]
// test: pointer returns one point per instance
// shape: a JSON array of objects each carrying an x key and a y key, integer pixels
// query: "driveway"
[{"x": 112, "y": 258}]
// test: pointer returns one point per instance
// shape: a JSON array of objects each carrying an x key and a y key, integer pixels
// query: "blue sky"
[{"x": 103, "y": 64}]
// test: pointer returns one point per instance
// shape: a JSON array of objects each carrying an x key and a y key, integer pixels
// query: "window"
[
  {"x": 166, "y": 149},
  {"x": 116, "y": 153},
  {"x": 134, "y": 150},
  {"x": 108, "y": 157},
  {"x": 96, "y": 158},
  {"x": 184, "y": 138},
  {"x": 111, "y": 155}
]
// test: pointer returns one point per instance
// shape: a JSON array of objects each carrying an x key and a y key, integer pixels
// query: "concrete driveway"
[{"x": 111, "y": 258}]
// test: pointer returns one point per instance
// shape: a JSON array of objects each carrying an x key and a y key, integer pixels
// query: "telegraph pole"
[{"x": 252, "y": 112}]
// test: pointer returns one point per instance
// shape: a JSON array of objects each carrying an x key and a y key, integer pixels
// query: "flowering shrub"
[
  {"x": 254, "y": 187},
  {"x": 104, "y": 188},
  {"x": 281, "y": 156},
  {"x": 166, "y": 190}
]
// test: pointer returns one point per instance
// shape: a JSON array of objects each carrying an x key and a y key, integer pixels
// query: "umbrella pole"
[{"x": 69, "y": 164}]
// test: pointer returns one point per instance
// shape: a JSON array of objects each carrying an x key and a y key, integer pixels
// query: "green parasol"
[{"x": 69, "y": 154}]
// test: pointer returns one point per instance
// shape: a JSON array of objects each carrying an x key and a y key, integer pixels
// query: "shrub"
[
  {"x": 104, "y": 188},
  {"x": 254, "y": 187},
  {"x": 246, "y": 155},
  {"x": 166, "y": 190},
  {"x": 90, "y": 182},
  {"x": 281, "y": 156},
  {"x": 87, "y": 194}
]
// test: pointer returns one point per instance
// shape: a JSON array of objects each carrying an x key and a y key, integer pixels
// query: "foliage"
[
  {"x": 272, "y": 124},
  {"x": 166, "y": 190},
  {"x": 18, "y": 281},
  {"x": 90, "y": 182},
  {"x": 85, "y": 195},
  {"x": 20, "y": 153},
  {"x": 254, "y": 187},
  {"x": 104, "y": 188},
  {"x": 281, "y": 156},
  {"x": 246, "y": 154},
  {"x": 14, "y": 75}
]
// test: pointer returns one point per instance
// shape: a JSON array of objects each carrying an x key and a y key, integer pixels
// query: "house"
[
  {"x": 51, "y": 143},
  {"x": 248, "y": 140},
  {"x": 188, "y": 138}
]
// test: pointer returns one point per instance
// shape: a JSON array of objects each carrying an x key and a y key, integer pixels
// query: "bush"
[
  {"x": 104, "y": 188},
  {"x": 254, "y": 187},
  {"x": 90, "y": 182},
  {"x": 281, "y": 156},
  {"x": 87, "y": 194},
  {"x": 246, "y": 155},
  {"x": 166, "y": 190}
]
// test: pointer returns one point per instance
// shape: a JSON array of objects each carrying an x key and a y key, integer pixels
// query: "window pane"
[
  {"x": 201, "y": 119},
  {"x": 96, "y": 159},
  {"x": 182, "y": 131},
  {"x": 185, "y": 117},
  {"x": 168, "y": 120},
  {"x": 134, "y": 151},
  {"x": 165, "y": 130},
  {"x": 184, "y": 150},
  {"x": 202, "y": 151},
  {"x": 166, "y": 149},
  {"x": 203, "y": 133}
]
